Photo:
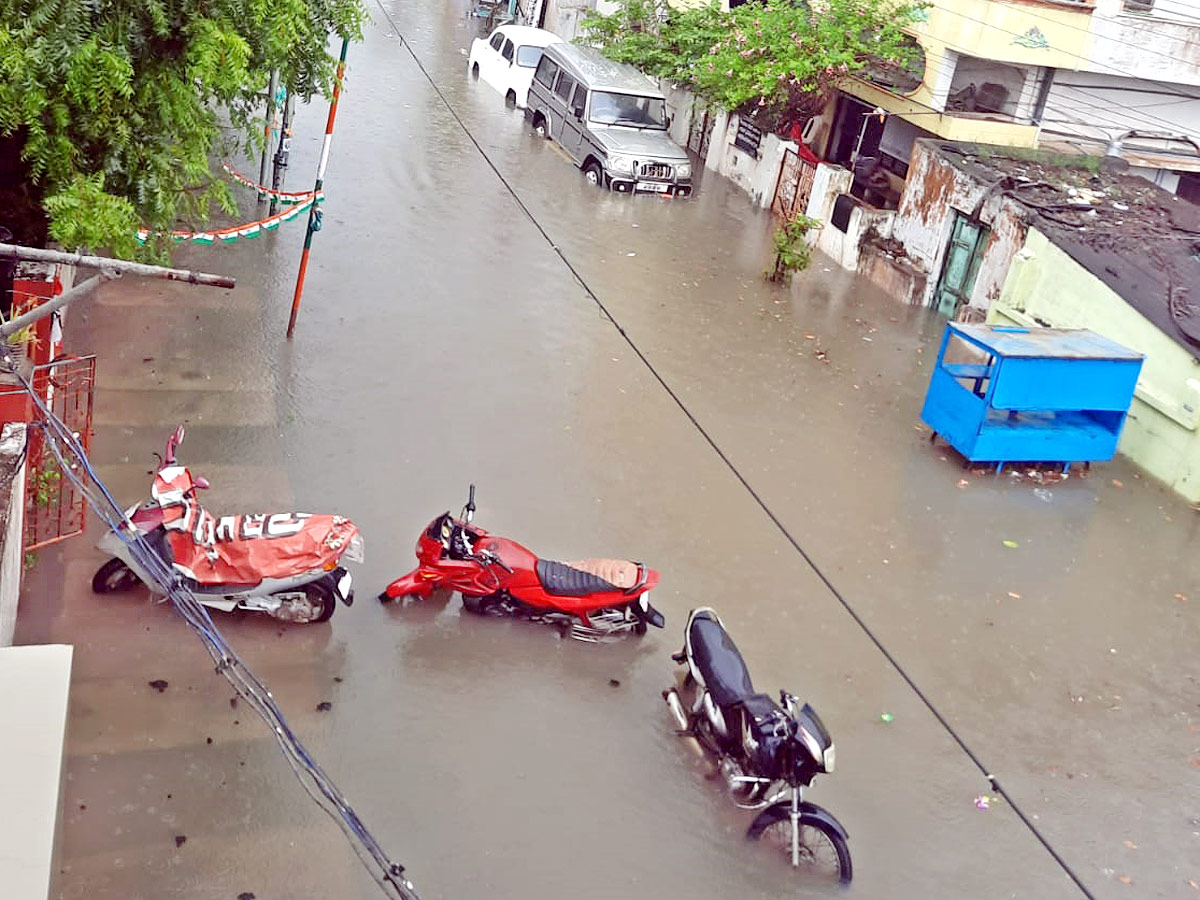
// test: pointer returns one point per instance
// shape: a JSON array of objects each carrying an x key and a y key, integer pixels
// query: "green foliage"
[
  {"x": 46, "y": 482},
  {"x": 120, "y": 108},
  {"x": 792, "y": 250},
  {"x": 778, "y": 58}
]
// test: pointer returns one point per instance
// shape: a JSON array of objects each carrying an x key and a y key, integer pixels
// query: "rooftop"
[{"x": 1140, "y": 240}]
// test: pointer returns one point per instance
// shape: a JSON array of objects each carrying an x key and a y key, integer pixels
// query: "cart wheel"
[{"x": 932, "y": 436}]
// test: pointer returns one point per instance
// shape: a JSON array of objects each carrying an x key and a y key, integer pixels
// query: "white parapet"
[{"x": 34, "y": 685}]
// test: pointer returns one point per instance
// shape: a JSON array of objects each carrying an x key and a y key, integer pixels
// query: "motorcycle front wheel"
[
  {"x": 823, "y": 852},
  {"x": 114, "y": 576}
]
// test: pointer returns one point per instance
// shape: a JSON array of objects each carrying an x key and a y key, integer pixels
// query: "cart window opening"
[{"x": 971, "y": 366}]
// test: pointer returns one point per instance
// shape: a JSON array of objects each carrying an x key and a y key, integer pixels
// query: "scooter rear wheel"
[
  {"x": 113, "y": 577},
  {"x": 323, "y": 603}
]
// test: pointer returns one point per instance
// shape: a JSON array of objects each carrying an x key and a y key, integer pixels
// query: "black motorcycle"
[{"x": 766, "y": 752}]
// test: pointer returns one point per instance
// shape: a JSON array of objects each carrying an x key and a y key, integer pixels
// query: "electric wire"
[
  {"x": 992, "y": 780},
  {"x": 75, "y": 466}
]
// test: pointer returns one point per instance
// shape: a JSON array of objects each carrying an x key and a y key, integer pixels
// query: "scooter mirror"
[
  {"x": 201, "y": 483},
  {"x": 471, "y": 504}
]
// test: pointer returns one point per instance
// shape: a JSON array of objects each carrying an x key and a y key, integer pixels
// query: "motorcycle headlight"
[
  {"x": 354, "y": 552},
  {"x": 829, "y": 758},
  {"x": 622, "y": 164},
  {"x": 683, "y": 171}
]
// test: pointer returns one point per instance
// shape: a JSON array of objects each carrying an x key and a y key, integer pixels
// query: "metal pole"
[
  {"x": 15, "y": 251},
  {"x": 268, "y": 128},
  {"x": 285, "y": 148},
  {"x": 12, "y": 326},
  {"x": 314, "y": 215}
]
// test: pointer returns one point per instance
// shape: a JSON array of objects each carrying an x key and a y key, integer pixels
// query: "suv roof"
[{"x": 604, "y": 74}]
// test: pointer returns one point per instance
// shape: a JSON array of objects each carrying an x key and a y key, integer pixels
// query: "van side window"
[
  {"x": 565, "y": 84},
  {"x": 546, "y": 71},
  {"x": 507, "y": 52},
  {"x": 496, "y": 41},
  {"x": 579, "y": 101}
]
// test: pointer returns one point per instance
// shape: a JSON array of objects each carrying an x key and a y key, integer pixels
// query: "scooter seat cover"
[
  {"x": 564, "y": 580},
  {"x": 719, "y": 661}
]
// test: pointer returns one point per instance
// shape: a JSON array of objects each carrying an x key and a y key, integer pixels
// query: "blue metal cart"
[{"x": 1006, "y": 394}]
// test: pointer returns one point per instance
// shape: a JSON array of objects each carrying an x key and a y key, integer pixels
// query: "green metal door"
[{"x": 963, "y": 255}]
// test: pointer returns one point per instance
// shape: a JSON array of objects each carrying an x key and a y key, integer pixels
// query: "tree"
[
  {"x": 778, "y": 58},
  {"x": 112, "y": 111}
]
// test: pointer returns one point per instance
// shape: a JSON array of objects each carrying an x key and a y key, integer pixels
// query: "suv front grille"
[{"x": 656, "y": 170}]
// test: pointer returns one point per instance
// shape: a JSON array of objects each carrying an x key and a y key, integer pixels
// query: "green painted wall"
[{"x": 1046, "y": 286}]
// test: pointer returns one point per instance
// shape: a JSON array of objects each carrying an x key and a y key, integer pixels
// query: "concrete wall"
[
  {"x": 12, "y": 557},
  {"x": 936, "y": 190},
  {"x": 1162, "y": 45},
  {"x": 34, "y": 689},
  {"x": 757, "y": 176},
  {"x": 1046, "y": 286}
]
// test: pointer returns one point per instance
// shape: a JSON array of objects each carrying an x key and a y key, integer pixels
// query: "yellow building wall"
[
  {"x": 947, "y": 126},
  {"x": 1019, "y": 33},
  {"x": 1046, "y": 286},
  {"x": 1007, "y": 32}
]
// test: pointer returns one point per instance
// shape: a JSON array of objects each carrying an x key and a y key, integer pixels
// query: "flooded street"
[{"x": 443, "y": 340}]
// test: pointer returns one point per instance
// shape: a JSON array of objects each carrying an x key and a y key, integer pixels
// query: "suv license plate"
[{"x": 654, "y": 187}]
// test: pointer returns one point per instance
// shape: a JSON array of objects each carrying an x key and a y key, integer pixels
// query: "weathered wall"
[
  {"x": 935, "y": 191},
  {"x": 1045, "y": 286},
  {"x": 1164, "y": 45}
]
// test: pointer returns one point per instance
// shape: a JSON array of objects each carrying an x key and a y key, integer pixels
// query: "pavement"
[{"x": 442, "y": 340}]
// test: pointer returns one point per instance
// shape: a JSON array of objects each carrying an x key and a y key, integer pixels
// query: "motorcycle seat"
[
  {"x": 620, "y": 573},
  {"x": 566, "y": 580},
  {"x": 719, "y": 661}
]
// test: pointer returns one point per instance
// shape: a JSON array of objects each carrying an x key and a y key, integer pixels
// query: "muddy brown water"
[{"x": 442, "y": 341}]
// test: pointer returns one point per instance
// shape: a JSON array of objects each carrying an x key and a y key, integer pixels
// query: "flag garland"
[
  {"x": 297, "y": 202},
  {"x": 281, "y": 196},
  {"x": 249, "y": 230}
]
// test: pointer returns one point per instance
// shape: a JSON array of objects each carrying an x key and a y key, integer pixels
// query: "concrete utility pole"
[
  {"x": 285, "y": 148},
  {"x": 270, "y": 126},
  {"x": 109, "y": 269}
]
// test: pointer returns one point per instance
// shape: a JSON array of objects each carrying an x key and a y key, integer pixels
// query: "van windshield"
[{"x": 628, "y": 109}]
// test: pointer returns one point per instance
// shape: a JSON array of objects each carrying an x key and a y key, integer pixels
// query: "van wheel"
[
  {"x": 510, "y": 99},
  {"x": 594, "y": 174},
  {"x": 539, "y": 126},
  {"x": 475, "y": 70}
]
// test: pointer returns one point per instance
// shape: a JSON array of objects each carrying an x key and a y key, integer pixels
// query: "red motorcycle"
[{"x": 591, "y": 599}]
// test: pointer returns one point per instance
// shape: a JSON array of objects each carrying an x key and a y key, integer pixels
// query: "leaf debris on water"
[
  {"x": 1011, "y": 545},
  {"x": 158, "y": 684}
]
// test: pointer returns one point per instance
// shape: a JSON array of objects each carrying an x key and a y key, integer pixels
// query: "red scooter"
[{"x": 592, "y": 599}]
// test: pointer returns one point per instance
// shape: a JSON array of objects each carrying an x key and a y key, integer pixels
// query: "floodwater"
[{"x": 443, "y": 341}]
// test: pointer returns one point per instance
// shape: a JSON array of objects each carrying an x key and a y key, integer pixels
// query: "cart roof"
[{"x": 1058, "y": 343}]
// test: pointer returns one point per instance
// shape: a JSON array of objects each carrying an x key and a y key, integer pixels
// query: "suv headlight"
[
  {"x": 683, "y": 171},
  {"x": 622, "y": 164}
]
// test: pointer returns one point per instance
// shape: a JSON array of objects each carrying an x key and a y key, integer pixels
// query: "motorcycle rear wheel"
[
  {"x": 113, "y": 577},
  {"x": 823, "y": 852}
]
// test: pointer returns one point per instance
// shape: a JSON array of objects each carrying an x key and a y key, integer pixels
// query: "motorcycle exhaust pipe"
[{"x": 675, "y": 705}]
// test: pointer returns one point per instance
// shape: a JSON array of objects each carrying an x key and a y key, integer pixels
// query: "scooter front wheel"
[{"x": 113, "y": 577}]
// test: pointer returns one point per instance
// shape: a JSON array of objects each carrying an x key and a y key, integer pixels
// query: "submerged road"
[{"x": 443, "y": 340}]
